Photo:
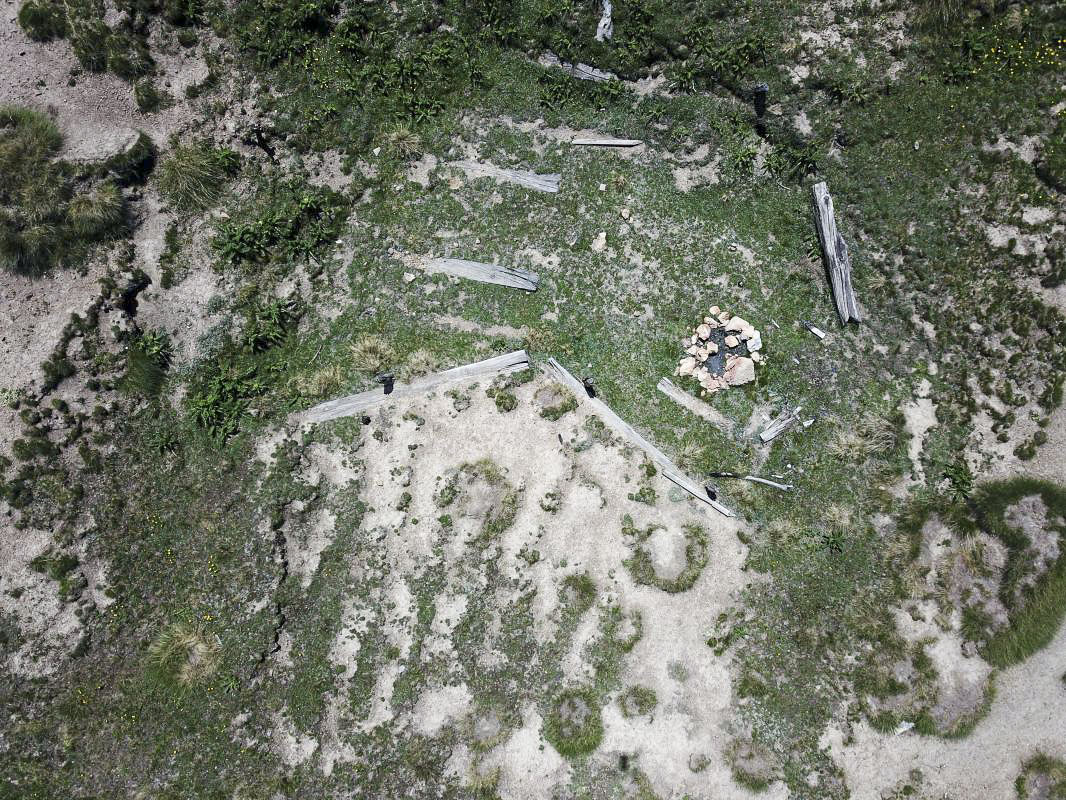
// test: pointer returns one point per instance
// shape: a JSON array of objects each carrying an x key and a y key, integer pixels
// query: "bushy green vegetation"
[
  {"x": 50, "y": 213},
  {"x": 192, "y": 176}
]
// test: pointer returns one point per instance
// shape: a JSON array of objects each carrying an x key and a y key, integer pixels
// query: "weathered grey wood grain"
[
  {"x": 605, "y": 27},
  {"x": 606, "y": 142},
  {"x": 835, "y": 254},
  {"x": 485, "y": 273},
  {"x": 784, "y": 487},
  {"x": 548, "y": 182},
  {"x": 781, "y": 424},
  {"x": 690, "y": 403},
  {"x": 356, "y": 403},
  {"x": 626, "y": 431},
  {"x": 581, "y": 71}
]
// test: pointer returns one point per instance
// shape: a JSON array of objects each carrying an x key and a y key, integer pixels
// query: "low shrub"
[{"x": 191, "y": 178}]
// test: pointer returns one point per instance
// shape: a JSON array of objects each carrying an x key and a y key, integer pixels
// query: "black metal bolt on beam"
[
  {"x": 590, "y": 387},
  {"x": 386, "y": 379}
]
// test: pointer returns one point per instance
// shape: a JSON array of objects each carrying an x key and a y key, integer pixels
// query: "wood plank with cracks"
[
  {"x": 626, "y": 431},
  {"x": 606, "y": 142},
  {"x": 485, "y": 273},
  {"x": 548, "y": 182},
  {"x": 353, "y": 404},
  {"x": 697, "y": 407},
  {"x": 778, "y": 426},
  {"x": 835, "y": 255}
]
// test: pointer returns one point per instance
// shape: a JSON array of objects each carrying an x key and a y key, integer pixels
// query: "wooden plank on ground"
[
  {"x": 582, "y": 71},
  {"x": 356, "y": 403},
  {"x": 548, "y": 182},
  {"x": 690, "y": 403},
  {"x": 778, "y": 426},
  {"x": 485, "y": 273},
  {"x": 835, "y": 253},
  {"x": 606, "y": 142},
  {"x": 626, "y": 431}
]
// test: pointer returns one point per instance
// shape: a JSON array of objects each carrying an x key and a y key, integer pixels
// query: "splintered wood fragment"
[
  {"x": 835, "y": 253},
  {"x": 581, "y": 71},
  {"x": 485, "y": 273},
  {"x": 690, "y": 403},
  {"x": 606, "y": 142},
  {"x": 626, "y": 431},
  {"x": 780, "y": 425},
  {"x": 784, "y": 487},
  {"x": 548, "y": 182},
  {"x": 605, "y": 28},
  {"x": 354, "y": 404},
  {"x": 814, "y": 329}
]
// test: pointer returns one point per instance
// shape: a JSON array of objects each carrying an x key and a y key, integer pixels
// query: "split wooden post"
[
  {"x": 356, "y": 403},
  {"x": 485, "y": 273},
  {"x": 835, "y": 254}
]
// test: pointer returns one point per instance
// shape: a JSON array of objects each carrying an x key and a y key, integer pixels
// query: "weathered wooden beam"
[
  {"x": 626, "y": 431},
  {"x": 606, "y": 142},
  {"x": 778, "y": 426},
  {"x": 835, "y": 254},
  {"x": 485, "y": 273},
  {"x": 696, "y": 406},
  {"x": 605, "y": 28},
  {"x": 582, "y": 71},
  {"x": 354, "y": 404},
  {"x": 548, "y": 182}
]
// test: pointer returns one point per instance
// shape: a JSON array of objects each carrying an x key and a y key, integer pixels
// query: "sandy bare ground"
[
  {"x": 1028, "y": 715},
  {"x": 418, "y": 440}
]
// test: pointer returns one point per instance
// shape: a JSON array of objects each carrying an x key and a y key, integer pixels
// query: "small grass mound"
[
  {"x": 191, "y": 178},
  {"x": 480, "y": 493},
  {"x": 636, "y": 701},
  {"x": 49, "y": 214},
  {"x": 646, "y": 568},
  {"x": 184, "y": 655},
  {"x": 1042, "y": 778},
  {"x": 574, "y": 726}
]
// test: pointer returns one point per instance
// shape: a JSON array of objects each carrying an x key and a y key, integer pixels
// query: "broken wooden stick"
[
  {"x": 354, "y": 404},
  {"x": 814, "y": 329},
  {"x": 784, "y": 487},
  {"x": 785, "y": 421},
  {"x": 835, "y": 254},
  {"x": 485, "y": 273},
  {"x": 626, "y": 431},
  {"x": 581, "y": 71},
  {"x": 606, "y": 142},
  {"x": 531, "y": 180},
  {"x": 690, "y": 403}
]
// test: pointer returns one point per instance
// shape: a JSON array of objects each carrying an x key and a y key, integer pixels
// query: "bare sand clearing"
[{"x": 571, "y": 501}]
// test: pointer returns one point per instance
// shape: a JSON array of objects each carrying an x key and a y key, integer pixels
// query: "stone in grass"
[
  {"x": 739, "y": 371},
  {"x": 737, "y": 324},
  {"x": 731, "y": 341},
  {"x": 574, "y": 725}
]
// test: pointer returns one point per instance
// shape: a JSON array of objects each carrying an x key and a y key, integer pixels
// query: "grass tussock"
[
  {"x": 184, "y": 654},
  {"x": 372, "y": 354},
  {"x": 49, "y": 215},
  {"x": 192, "y": 177}
]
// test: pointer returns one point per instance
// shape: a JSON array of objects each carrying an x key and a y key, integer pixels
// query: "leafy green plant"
[{"x": 43, "y": 20}]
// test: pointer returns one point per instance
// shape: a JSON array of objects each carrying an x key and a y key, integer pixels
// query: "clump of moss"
[
  {"x": 574, "y": 726},
  {"x": 43, "y": 20},
  {"x": 642, "y": 569},
  {"x": 482, "y": 493}
]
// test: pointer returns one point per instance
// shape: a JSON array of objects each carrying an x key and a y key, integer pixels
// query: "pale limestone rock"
[
  {"x": 731, "y": 341},
  {"x": 715, "y": 311},
  {"x": 755, "y": 342},
  {"x": 599, "y": 244},
  {"x": 737, "y": 324},
  {"x": 712, "y": 348},
  {"x": 687, "y": 366},
  {"x": 703, "y": 331},
  {"x": 740, "y": 371}
]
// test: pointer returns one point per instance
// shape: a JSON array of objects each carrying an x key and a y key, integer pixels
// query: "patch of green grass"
[
  {"x": 574, "y": 726},
  {"x": 192, "y": 177},
  {"x": 45, "y": 219},
  {"x": 43, "y": 20},
  {"x": 637, "y": 701},
  {"x": 642, "y": 569},
  {"x": 1045, "y": 772}
]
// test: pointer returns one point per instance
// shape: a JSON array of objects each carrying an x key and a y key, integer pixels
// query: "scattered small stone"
[
  {"x": 408, "y": 277},
  {"x": 603, "y": 187},
  {"x": 625, "y": 213},
  {"x": 599, "y": 244}
]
